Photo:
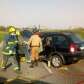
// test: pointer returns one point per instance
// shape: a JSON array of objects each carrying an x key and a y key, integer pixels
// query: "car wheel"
[{"x": 56, "y": 61}]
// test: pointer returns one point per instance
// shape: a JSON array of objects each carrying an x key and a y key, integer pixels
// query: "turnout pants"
[{"x": 34, "y": 53}]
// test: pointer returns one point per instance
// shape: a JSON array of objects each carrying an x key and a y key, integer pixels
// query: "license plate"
[{"x": 82, "y": 48}]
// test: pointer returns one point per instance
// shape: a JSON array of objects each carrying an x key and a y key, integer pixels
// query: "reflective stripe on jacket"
[{"x": 10, "y": 47}]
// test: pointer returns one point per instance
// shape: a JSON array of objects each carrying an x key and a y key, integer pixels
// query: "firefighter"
[
  {"x": 25, "y": 48},
  {"x": 35, "y": 43},
  {"x": 9, "y": 49}
]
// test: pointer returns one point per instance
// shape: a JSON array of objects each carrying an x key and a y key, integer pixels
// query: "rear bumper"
[
  {"x": 74, "y": 56},
  {"x": 79, "y": 53}
]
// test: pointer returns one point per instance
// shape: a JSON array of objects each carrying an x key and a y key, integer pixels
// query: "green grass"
[
  {"x": 1, "y": 37},
  {"x": 80, "y": 32},
  {"x": 2, "y": 34}
]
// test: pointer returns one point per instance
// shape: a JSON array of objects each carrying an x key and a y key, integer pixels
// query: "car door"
[{"x": 60, "y": 43}]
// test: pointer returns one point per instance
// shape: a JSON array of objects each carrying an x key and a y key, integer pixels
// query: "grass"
[
  {"x": 80, "y": 32},
  {"x": 2, "y": 34}
]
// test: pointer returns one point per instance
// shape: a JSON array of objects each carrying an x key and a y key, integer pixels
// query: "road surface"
[{"x": 68, "y": 74}]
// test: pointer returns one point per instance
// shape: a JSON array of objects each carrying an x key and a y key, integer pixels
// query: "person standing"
[
  {"x": 35, "y": 42},
  {"x": 10, "y": 48},
  {"x": 23, "y": 46}
]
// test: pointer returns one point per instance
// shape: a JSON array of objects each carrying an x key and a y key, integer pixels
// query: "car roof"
[{"x": 56, "y": 33}]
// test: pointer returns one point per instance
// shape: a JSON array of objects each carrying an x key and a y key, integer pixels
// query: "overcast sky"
[{"x": 51, "y": 13}]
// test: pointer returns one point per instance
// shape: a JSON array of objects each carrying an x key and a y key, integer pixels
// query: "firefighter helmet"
[
  {"x": 35, "y": 30},
  {"x": 11, "y": 29}
]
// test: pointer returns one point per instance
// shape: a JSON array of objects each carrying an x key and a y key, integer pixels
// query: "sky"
[{"x": 49, "y": 13}]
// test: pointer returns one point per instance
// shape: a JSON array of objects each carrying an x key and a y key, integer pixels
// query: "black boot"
[
  {"x": 36, "y": 62},
  {"x": 32, "y": 64}
]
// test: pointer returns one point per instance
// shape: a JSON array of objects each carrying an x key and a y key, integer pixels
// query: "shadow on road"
[
  {"x": 2, "y": 80},
  {"x": 20, "y": 81}
]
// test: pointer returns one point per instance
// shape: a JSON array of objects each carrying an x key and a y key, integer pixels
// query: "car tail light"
[{"x": 73, "y": 48}]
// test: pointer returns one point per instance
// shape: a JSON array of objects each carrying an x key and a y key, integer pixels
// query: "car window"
[
  {"x": 60, "y": 40},
  {"x": 75, "y": 38},
  {"x": 48, "y": 40}
]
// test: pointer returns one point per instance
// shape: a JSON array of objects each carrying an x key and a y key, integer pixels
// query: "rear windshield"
[{"x": 75, "y": 38}]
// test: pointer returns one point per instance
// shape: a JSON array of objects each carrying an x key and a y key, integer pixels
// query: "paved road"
[{"x": 68, "y": 74}]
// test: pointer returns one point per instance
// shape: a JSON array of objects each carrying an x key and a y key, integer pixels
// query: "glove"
[{"x": 25, "y": 42}]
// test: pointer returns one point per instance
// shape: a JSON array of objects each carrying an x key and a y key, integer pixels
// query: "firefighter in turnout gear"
[
  {"x": 35, "y": 43},
  {"x": 9, "y": 49},
  {"x": 23, "y": 46}
]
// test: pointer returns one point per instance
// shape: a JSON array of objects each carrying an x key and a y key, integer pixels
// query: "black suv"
[{"x": 61, "y": 48}]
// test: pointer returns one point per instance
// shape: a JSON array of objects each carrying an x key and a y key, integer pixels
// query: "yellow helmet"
[
  {"x": 11, "y": 29},
  {"x": 17, "y": 32}
]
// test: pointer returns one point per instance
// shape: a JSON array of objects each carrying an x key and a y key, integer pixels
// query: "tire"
[{"x": 56, "y": 61}]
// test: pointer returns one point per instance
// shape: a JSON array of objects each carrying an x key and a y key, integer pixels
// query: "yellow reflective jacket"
[{"x": 35, "y": 40}]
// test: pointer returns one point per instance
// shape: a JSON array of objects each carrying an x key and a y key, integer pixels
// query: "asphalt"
[
  {"x": 26, "y": 74},
  {"x": 70, "y": 74}
]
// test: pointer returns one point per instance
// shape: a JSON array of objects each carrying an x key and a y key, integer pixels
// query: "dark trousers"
[
  {"x": 27, "y": 53},
  {"x": 11, "y": 59}
]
